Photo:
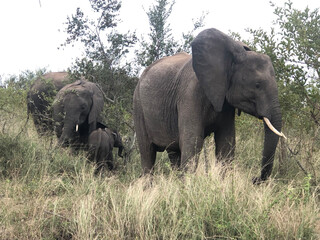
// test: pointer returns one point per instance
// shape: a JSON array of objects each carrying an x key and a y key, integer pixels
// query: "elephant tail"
[{"x": 98, "y": 145}]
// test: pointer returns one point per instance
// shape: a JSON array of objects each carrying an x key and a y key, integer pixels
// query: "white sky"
[{"x": 30, "y": 38}]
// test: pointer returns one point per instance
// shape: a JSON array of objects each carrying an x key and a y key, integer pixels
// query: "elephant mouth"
[
  {"x": 267, "y": 121},
  {"x": 272, "y": 128}
]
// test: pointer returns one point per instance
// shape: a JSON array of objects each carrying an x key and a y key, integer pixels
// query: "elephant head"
[
  {"x": 228, "y": 71},
  {"x": 76, "y": 111}
]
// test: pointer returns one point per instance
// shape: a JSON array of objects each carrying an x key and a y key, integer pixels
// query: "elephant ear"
[
  {"x": 97, "y": 105},
  {"x": 213, "y": 56},
  {"x": 114, "y": 135}
]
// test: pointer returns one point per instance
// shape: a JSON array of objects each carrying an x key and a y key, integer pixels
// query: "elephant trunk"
[
  {"x": 69, "y": 131},
  {"x": 270, "y": 143},
  {"x": 120, "y": 149}
]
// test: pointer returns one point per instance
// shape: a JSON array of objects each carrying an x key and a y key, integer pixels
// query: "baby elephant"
[{"x": 101, "y": 142}]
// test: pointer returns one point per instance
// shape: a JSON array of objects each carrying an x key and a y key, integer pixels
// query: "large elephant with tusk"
[
  {"x": 76, "y": 112},
  {"x": 182, "y": 99}
]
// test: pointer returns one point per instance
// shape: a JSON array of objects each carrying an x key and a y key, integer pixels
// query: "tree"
[
  {"x": 101, "y": 41},
  {"x": 188, "y": 37},
  {"x": 105, "y": 49},
  {"x": 13, "y": 96},
  {"x": 161, "y": 42},
  {"x": 24, "y": 80}
]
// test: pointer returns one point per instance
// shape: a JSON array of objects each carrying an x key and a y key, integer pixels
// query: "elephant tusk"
[
  {"x": 77, "y": 127},
  {"x": 272, "y": 128}
]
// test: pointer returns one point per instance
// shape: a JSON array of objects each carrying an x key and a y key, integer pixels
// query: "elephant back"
[
  {"x": 48, "y": 81},
  {"x": 80, "y": 85},
  {"x": 59, "y": 79},
  {"x": 45, "y": 88}
]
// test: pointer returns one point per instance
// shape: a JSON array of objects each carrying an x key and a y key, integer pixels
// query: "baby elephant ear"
[{"x": 213, "y": 54}]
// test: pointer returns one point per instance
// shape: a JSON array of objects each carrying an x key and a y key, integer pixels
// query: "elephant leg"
[
  {"x": 174, "y": 157},
  {"x": 190, "y": 146},
  {"x": 148, "y": 157},
  {"x": 191, "y": 130},
  {"x": 100, "y": 158},
  {"x": 39, "y": 123},
  {"x": 146, "y": 147},
  {"x": 225, "y": 138},
  {"x": 147, "y": 151},
  {"x": 109, "y": 161},
  {"x": 100, "y": 163}
]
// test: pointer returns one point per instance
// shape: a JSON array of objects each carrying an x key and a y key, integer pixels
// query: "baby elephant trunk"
[
  {"x": 120, "y": 149},
  {"x": 118, "y": 143}
]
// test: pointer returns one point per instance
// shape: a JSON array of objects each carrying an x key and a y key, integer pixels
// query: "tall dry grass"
[
  {"x": 49, "y": 193},
  {"x": 69, "y": 202}
]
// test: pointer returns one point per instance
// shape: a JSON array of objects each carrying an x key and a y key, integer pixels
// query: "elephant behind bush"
[{"x": 40, "y": 97}]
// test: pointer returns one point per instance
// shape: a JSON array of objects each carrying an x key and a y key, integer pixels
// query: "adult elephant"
[
  {"x": 76, "y": 112},
  {"x": 180, "y": 100},
  {"x": 40, "y": 97}
]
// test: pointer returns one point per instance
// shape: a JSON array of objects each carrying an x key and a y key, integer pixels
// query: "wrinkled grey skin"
[
  {"x": 40, "y": 97},
  {"x": 79, "y": 103},
  {"x": 180, "y": 100},
  {"x": 101, "y": 142}
]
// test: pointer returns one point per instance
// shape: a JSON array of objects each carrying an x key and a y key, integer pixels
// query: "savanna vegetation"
[{"x": 47, "y": 192}]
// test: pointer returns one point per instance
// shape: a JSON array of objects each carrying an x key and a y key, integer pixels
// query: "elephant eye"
[
  {"x": 257, "y": 85},
  {"x": 83, "y": 106}
]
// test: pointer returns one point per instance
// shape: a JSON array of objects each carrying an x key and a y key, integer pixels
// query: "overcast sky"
[{"x": 30, "y": 34}]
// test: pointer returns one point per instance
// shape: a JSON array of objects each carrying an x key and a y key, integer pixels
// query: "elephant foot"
[
  {"x": 110, "y": 166},
  {"x": 100, "y": 168},
  {"x": 257, "y": 180},
  {"x": 148, "y": 184}
]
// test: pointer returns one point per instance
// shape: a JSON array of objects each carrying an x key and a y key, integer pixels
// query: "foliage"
[
  {"x": 188, "y": 37},
  {"x": 161, "y": 42},
  {"x": 294, "y": 45},
  {"x": 24, "y": 80},
  {"x": 102, "y": 43},
  {"x": 13, "y": 103}
]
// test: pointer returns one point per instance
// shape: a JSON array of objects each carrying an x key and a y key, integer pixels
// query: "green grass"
[{"x": 49, "y": 193}]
